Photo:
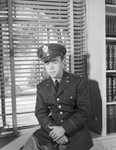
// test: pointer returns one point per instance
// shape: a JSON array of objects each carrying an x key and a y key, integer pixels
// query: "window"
[{"x": 24, "y": 26}]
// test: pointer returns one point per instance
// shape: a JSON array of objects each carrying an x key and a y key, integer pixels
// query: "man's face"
[{"x": 54, "y": 67}]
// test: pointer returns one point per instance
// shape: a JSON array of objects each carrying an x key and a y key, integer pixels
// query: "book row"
[
  {"x": 110, "y": 56},
  {"x": 110, "y": 2},
  {"x": 110, "y": 26},
  {"x": 111, "y": 88},
  {"x": 111, "y": 119}
]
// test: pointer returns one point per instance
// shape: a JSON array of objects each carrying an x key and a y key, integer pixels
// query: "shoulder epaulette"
[
  {"x": 44, "y": 80},
  {"x": 75, "y": 75}
]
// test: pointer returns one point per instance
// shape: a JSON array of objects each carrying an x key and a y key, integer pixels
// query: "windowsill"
[{"x": 96, "y": 136}]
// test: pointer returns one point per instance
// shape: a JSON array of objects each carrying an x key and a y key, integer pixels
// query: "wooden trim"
[{"x": 12, "y": 65}]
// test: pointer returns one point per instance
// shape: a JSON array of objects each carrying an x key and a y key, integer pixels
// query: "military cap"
[{"x": 51, "y": 50}]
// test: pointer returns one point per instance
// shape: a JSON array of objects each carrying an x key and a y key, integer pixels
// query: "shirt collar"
[{"x": 56, "y": 79}]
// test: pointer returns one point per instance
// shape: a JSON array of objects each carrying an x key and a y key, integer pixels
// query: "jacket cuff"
[
  {"x": 47, "y": 129},
  {"x": 69, "y": 126}
]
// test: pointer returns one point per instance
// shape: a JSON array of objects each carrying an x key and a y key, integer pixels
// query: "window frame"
[{"x": 72, "y": 65}]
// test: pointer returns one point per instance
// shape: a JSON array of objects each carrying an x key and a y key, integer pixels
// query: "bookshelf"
[
  {"x": 110, "y": 7},
  {"x": 104, "y": 137}
]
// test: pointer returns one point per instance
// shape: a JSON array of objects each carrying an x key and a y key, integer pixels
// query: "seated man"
[{"x": 62, "y": 106}]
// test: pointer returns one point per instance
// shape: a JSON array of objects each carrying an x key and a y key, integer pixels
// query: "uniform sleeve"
[
  {"x": 42, "y": 112},
  {"x": 79, "y": 119}
]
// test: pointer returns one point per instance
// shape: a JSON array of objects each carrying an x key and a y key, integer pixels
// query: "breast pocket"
[
  {"x": 69, "y": 97},
  {"x": 48, "y": 100}
]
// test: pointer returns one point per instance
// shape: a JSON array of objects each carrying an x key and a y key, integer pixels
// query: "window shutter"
[
  {"x": 24, "y": 26},
  {"x": 79, "y": 16}
]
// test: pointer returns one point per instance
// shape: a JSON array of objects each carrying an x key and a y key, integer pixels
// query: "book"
[
  {"x": 114, "y": 118},
  {"x": 114, "y": 27},
  {"x": 114, "y": 57},
  {"x": 110, "y": 119},
  {"x": 107, "y": 26},
  {"x": 107, "y": 56},
  {"x": 110, "y": 56},
  {"x": 109, "y": 88},
  {"x": 114, "y": 88},
  {"x": 110, "y": 26},
  {"x": 108, "y": 1},
  {"x": 114, "y": 2}
]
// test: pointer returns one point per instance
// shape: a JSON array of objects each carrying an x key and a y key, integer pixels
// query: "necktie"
[{"x": 56, "y": 85}]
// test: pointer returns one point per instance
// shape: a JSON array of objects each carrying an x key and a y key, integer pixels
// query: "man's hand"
[
  {"x": 57, "y": 132},
  {"x": 62, "y": 140}
]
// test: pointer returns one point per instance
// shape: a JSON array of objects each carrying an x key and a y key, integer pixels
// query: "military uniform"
[{"x": 69, "y": 107}]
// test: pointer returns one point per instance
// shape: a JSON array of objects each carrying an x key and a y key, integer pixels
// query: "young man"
[{"x": 63, "y": 112}]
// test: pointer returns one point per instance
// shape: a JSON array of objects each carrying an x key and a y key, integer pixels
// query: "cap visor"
[{"x": 49, "y": 58}]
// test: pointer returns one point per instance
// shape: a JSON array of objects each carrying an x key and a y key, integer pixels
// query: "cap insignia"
[{"x": 45, "y": 49}]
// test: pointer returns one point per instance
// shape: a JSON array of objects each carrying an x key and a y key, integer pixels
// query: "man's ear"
[{"x": 63, "y": 62}]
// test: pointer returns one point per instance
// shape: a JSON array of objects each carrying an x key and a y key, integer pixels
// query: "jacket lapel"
[
  {"x": 65, "y": 81},
  {"x": 50, "y": 86}
]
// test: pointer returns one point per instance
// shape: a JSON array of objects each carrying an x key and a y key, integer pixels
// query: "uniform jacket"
[{"x": 69, "y": 107}]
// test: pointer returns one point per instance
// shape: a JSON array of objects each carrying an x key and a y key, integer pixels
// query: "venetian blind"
[
  {"x": 6, "y": 115},
  {"x": 79, "y": 16},
  {"x": 26, "y": 25},
  {"x": 34, "y": 23}
]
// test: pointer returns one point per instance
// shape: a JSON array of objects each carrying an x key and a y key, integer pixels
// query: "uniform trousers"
[{"x": 31, "y": 144}]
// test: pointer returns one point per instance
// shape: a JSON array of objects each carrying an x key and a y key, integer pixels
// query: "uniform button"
[
  {"x": 58, "y": 99},
  {"x": 59, "y": 106},
  {"x": 61, "y": 112}
]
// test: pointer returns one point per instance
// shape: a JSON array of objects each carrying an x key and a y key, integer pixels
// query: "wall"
[
  {"x": 97, "y": 75},
  {"x": 96, "y": 63}
]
